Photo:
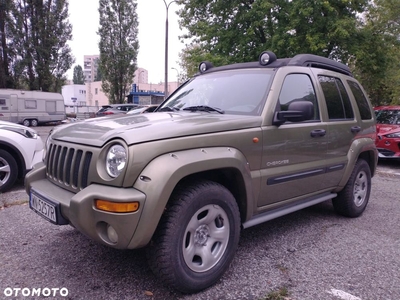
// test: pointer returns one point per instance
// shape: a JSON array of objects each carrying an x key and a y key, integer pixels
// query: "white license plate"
[{"x": 43, "y": 207}]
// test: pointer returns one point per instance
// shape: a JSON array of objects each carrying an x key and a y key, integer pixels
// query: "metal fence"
[{"x": 81, "y": 112}]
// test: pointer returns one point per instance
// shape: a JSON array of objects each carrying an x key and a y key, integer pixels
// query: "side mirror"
[{"x": 297, "y": 111}]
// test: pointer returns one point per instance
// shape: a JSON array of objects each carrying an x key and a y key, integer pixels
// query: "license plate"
[{"x": 43, "y": 207}]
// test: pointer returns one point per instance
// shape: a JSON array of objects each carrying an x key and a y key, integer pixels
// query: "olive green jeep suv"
[{"x": 233, "y": 147}]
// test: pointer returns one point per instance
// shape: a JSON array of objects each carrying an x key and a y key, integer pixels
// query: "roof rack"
[
  {"x": 268, "y": 59},
  {"x": 315, "y": 61}
]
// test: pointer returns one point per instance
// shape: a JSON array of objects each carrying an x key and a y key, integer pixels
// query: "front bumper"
[
  {"x": 78, "y": 209},
  {"x": 388, "y": 148}
]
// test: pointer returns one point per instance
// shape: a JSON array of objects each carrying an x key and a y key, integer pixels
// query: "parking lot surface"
[{"x": 311, "y": 254}]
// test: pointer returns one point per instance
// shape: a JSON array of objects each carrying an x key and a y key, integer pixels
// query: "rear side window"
[
  {"x": 337, "y": 100},
  {"x": 361, "y": 100}
]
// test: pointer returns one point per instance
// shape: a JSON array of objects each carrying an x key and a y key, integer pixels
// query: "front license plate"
[{"x": 44, "y": 207}]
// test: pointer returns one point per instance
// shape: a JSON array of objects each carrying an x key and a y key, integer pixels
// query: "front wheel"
[
  {"x": 197, "y": 237},
  {"x": 353, "y": 199},
  {"x": 8, "y": 171}
]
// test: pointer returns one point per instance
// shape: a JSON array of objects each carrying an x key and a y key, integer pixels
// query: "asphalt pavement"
[{"x": 310, "y": 254}]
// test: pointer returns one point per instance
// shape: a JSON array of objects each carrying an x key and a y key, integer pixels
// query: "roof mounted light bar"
[{"x": 268, "y": 59}]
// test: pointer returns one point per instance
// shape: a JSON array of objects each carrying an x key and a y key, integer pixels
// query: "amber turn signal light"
[{"x": 117, "y": 207}]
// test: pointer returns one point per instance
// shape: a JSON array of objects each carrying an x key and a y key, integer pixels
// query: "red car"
[{"x": 388, "y": 131}]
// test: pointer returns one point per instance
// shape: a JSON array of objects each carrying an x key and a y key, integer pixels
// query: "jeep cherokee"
[{"x": 233, "y": 147}]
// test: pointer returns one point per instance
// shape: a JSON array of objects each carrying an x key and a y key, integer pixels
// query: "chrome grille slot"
[
  {"x": 68, "y": 166},
  {"x": 57, "y": 162},
  {"x": 85, "y": 170},
  {"x": 50, "y": 161},
  {"x": 69, "y": 163},
  {"x": 75, "y": 170},
  {"x": 63, "y": 155}
]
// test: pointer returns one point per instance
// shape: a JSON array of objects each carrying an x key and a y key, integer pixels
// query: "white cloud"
[{"x": 84, "y": 17}]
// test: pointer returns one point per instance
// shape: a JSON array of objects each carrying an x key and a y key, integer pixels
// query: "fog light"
[{"x": 112, "y": 234}]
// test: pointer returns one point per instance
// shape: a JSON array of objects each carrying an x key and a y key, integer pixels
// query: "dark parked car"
[
  {"x": 388, "y": 129},
  {"x": 112, "y": 109}
]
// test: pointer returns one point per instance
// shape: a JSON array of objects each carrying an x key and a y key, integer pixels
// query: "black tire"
[
  {"x": 353, "y": 199},
  {"x": 185, "y": 252},
  {"x": 26, "y": 123},
  {"x": 34, "y": 122},
  {"x": 8, "y": 171}
]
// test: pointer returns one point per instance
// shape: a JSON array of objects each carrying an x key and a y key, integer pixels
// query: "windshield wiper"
[
  {"x": 204, "y": 108},
  {"x": 168, "y": 108}
]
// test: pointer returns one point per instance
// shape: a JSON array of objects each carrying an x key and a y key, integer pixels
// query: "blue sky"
[{"x": 84, "y": 17}]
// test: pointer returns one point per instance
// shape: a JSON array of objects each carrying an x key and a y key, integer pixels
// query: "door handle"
[
  {"x": 355, "y": 129},
  {"x": 318, "y": 132}
]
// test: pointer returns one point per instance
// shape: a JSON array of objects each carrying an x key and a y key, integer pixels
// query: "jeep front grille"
[{"x": 68, "y": 166}]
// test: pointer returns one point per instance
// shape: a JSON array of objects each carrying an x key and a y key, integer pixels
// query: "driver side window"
[{"x": 298, "y": 87}]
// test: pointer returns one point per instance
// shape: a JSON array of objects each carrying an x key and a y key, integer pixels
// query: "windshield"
[
  {"x": 388, "y": 117},
  {"x": 231, "y": 92}
]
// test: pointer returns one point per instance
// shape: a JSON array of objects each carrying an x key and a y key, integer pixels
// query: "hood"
[
  {"x": 14, "y": 125},
  {"x": 149, "y": 127},
  {"x": 383, "y": 129}
]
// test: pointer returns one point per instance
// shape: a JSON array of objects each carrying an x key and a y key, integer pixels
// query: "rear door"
[
  {"x": 342, "y": 125},
  {"x": 51, "y": 110}
]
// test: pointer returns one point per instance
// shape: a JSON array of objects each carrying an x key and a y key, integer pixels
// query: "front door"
[{"x": 294, "y": 153}]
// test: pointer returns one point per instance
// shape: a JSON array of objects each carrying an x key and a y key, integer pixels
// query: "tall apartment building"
[
  {"x": 141, "y": 76},
  {"x": 90, "y": 65}
]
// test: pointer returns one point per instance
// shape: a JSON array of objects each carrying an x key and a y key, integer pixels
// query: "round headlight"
[{"x": 116, "y": 160}]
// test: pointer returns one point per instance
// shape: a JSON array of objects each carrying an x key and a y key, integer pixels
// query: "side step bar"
[{"x": 279, "y": 212}]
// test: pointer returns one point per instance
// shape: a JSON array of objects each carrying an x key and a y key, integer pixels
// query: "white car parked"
[{"x": 20, "y": 148}]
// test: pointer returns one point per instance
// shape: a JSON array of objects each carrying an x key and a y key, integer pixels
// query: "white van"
[{"x": 31, "y": 108}]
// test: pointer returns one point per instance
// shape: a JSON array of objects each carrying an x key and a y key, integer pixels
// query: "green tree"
[
  {"x": 377, "y": 55},
  {"x": 6, "y": 54},
  {"x": 98, "y": 73},
  {"x": 240, "y": 30},
  {"x": 364, "y": 34},
  {"x": 118, "y": 47},
  {"x": 78, "y": 77},
  {"x": 39, "y": 34},
  {"x": 192, "y": 56}
]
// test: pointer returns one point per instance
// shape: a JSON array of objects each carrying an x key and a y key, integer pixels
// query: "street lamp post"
[{"x": 166, "y": 48}]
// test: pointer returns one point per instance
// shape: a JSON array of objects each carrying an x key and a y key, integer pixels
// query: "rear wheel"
[
  {"x": 8, "y": 171},
  {"x": 34, "y": 122},
  {"x": 197, "y": 237},
  {"x": 353, "y": 199},
  {"x": 26, "y": 123}
]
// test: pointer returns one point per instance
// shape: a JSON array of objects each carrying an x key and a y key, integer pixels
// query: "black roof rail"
[{"x": 315, "y": 61}]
